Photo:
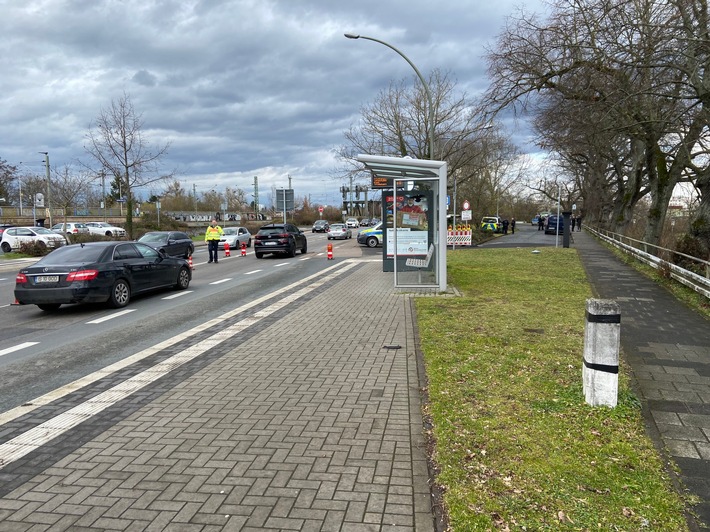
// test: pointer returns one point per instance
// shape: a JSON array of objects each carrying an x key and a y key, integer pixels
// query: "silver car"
[
  {"x": 338, "y": 231},
  {"x": 70, "y": 228},
  {"x": 234, "y": 236}
]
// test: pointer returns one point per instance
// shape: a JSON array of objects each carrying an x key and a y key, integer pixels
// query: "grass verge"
[{"x": 516, "y": 445}]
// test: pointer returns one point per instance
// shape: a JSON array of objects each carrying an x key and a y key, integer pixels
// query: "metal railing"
[{"x": 640, "y": 251}]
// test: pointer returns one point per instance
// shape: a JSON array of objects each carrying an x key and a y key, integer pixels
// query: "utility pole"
[
  {"x": 49, "y": 187},
  {"x": 194, "y": 199},
  {"x": 103, "y": 192},
  {"x": 256, "y": 197}
]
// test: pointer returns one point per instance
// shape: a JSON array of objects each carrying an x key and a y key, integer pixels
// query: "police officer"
[{"x": 212, "y": 238}]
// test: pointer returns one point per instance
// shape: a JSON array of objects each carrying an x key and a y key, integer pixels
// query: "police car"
[
  {"x": 371, "y": 237},
  {"x": 492, "y": 223}
]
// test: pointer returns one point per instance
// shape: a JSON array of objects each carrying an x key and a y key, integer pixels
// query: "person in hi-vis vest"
[{"x": 212, "y": 235}]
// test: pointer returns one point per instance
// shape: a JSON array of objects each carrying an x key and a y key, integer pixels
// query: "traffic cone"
[
  {"x": 226, "y": 250},
  {"x": 189, "y": 262},
  {"x": 244, "y": 249},
  {"x": 330, "y": 251}
]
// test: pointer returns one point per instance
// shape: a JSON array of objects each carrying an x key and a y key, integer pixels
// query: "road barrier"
[
  {"x": 244, "y": 249},
  {"x": 600, "y": 371},
  {"x": 226, "y": 250},
  {"x": 330, "y": 251}
]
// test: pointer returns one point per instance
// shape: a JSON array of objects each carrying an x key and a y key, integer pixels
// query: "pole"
[
  {"x": 103, "y": 192},
  {"x": 421, "y": 78},
  {"x": 49, "y": 187},
  {"x": 453, "y": 243}
]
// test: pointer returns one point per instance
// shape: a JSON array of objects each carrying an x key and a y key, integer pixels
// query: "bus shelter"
[{"x": 414, "y": 227}]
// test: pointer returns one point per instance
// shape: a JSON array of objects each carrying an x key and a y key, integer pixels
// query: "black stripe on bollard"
[
  {"x": 603, "y": 318},
  {"x": 602, "y": 367}
]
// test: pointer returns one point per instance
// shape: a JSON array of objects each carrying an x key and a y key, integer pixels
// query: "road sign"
[
  {"x": 320, "y": 210},
  {"x": 466, "y": 205},
  {"x": 466, "y": 215}
]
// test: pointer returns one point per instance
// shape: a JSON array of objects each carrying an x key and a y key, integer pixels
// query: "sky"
[{"x": 239, "y": 88}]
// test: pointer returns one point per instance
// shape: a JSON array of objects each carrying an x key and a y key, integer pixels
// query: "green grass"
[{"x": 515, "y": 444}]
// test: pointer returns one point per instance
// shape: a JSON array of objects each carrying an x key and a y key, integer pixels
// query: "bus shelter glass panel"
[{"x": 413, "y": 232}]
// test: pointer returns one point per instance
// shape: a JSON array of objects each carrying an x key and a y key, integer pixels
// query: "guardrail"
[{"x": 640, "y": 251}]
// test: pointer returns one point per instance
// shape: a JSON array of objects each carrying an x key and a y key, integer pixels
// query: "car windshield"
[
  {"x": 153, "y": 237},
  {"x": 336, "y": 227},
  {"x": 73, "y": 255},
  {"x": 231, "y": 231},
  {"x": 272, "y": 231},
  {"x": 43, "y": 231}
]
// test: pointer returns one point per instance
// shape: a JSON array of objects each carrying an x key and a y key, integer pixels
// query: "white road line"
[
  {"x": 42, "y": 434},
  {"x": 17, "y": 348},
  {"x": 112, "y": 316},
  {"x": 179, "y": 294},
  {"x": 251, "y": 272},
  {"x": 222, "y": 281},
  {"x": 282, "y": 264}
]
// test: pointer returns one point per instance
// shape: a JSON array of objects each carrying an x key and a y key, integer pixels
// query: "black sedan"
[
  {"x": 173, "y": 243},
  {"x": 96, "y": 272}
]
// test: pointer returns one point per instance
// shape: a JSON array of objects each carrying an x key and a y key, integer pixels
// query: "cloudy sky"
[{"x": 240, "y": 88}]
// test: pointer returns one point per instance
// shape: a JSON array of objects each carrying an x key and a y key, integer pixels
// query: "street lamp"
[
  {"x": 421, "y": 78},
  {"x": 49, "y": 186}
]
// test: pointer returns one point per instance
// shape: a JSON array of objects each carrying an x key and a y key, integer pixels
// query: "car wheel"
[
  {"x": 372, "y": 242},
  {"x": 189, "y": 251},
  {"x": 292, "y": 250},
  {"x": 249, "y": 243},
  {"x": 6, "y": 247},
  {"x": 120, "y": 294},
  {"x": 109, "y": 233},
  {"x": 304, "y": 249},
  {"x": 49, "y": 307},
  {"x": 258, "y": 255},
  {"x": 183, "y": 279}
]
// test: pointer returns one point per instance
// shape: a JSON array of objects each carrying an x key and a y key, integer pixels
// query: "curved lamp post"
[{"x": 421, "y": 78}]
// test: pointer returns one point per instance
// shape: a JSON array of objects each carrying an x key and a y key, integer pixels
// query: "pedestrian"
[
  {"x": 540, "y": 223},
  {"x": 572, "y": 220},
  {"x": 505, "y": 226},
  {"x": 212, "y": 235},
  {"x": 512, "y": 225},
  {"x": 579, "y": 222}
]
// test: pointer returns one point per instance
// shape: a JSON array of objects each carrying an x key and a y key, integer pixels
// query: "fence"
[{"x": 640, "y": 251}]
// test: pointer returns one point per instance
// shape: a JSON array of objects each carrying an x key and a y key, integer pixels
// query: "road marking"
[
  {"x": 112, "y": 316},
  {"x": 17, "y": 348},
  {"x": 253, "y": 271},
  {"x": 282, "y": 264},
  {"x": 222, "y": 281},
  {"x": 179, "y": 294},
  {"x": 43, "y": 433}
]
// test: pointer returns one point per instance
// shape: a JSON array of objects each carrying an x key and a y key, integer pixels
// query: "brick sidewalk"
[{"x": 297, "y": 424}]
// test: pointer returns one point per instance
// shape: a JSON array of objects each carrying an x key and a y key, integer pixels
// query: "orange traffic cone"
[
  {"x": 189, "y": 262},
  {"x": 244, "y": 249},
  {"x": 226, "y": 250},
  {"x": 330, "y": 251}
]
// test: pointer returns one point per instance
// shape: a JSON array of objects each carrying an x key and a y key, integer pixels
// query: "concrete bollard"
[{"x": 600, "y": 373}]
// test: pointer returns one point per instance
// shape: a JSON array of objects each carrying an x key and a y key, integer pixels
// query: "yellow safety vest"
[{"x": 213, "y": 233}]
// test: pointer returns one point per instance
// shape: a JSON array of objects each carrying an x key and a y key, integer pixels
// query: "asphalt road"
[{"x": 41, "y": 351}]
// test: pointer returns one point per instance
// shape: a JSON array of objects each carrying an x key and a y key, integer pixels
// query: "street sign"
[
  {"x": 466, "y": 205},
  {"x": 466, "y": 215},
  {"x": 320, "y": 210}
]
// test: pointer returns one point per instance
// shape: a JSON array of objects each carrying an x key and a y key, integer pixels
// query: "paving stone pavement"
[
  {"x": 293, "y": 424},
  {"x": 667, "y": 346}
]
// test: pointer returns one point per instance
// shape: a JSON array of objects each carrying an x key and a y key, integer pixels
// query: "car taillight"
[
  {"x": 82, "y": 275},
  {"x": 21, "y": 278},
  {"x": 75, "y": 231}
]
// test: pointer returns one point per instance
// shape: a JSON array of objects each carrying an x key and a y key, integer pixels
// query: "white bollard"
[{"x": 600, "y": 372}]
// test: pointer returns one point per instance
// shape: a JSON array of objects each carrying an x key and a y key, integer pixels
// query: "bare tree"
[{"x": 117, "y": 144}]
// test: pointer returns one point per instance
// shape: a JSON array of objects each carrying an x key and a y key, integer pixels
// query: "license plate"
[
  {"x": 269, "y": 243},
  {"x": 47, "y": 278}
]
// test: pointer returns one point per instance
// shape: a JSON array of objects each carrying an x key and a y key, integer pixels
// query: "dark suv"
[
  {"x": 554, "y": 225},
  {"x": 279, "y": 238}
]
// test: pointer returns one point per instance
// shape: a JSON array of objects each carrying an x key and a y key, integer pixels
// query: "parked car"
[
  {"x": 320, "y": 226},
  {"x": 364, "y": 222},
  {"x": 554, "y": 225},
  {"x": 172, "y": 243},
  {"x": 371, "y": 237},
  {"x": 14, "y": 237},
  {"x": 352, "y": 223},
  {"x": 106, "y": 229},
  {"x": 70, "y": 228},
  {"x": 492, "y": 223},
  {"x": 279, "y": 238},
  {"x": 535, "y": 220},
  {"x": 234, "y": 236},
  {"x": 96, "y": 272},
  {"x": 3, "y": 227},
  {"x": 338, "y": 231}
]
